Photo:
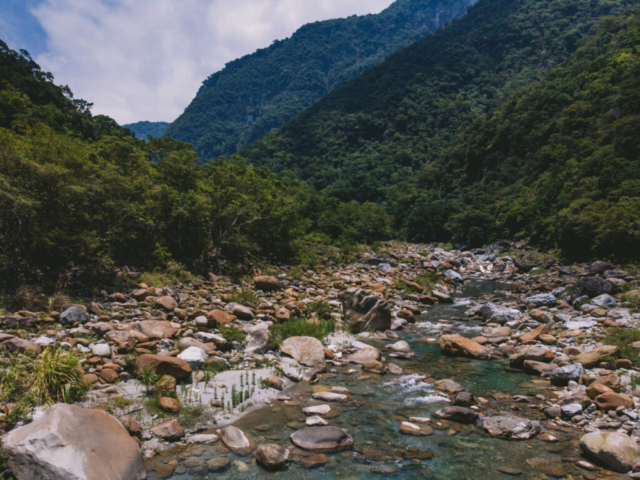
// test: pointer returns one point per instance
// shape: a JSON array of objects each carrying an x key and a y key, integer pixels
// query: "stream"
[{"x": 379, "y": 404}]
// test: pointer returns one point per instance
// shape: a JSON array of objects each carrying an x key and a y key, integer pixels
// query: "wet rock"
[
  {"x": 272, "y": 457},
  {"x": 305, "y": 350},
  {"x": 416, "y": 429},
  {"x": 531, "y": 366},
  {"x": 235, "y": 439},
  {"x": 458, "y": 414},
  {"x": 561, "y": 376},
  {"x": 316, "y": 421},
  {"x": 164, "y": 365},
  {"x": 171, "y": 430},
  {"x": 363, "y": 312},
  {"x": 617, "y": 450},
  {"x": 315, "y": 460},
  {"x": 266, "y": 284},
  {"x": 448, "y": 386},
  {"x": 394, "y": 369},
  {"x": 218, "y": 464},
  {"x": 322, "y": 439},
  {"x": 498, "y": 314},
  {"x": 364, "y": 355},
  {"x": 541, "y": 300},
  {"x": 459, "y": 345},
  {"x": 73, "y": 315},
  {"x": 592, "y": 358},
  {"x": 511, "y": 427},
  {"x": 70, "y": 442},
  {"x": 329, "y": 396},
  {"x": 317, "y": 410},
  {"x": 463, "y": 399}
]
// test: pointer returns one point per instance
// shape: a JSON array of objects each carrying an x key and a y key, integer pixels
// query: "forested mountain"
[
  {"x": 259, "y": 92},
  {"x": 408, "y": 132},
  {"x": 80, "y": 195},
  {"x": 143, "y": 129}
]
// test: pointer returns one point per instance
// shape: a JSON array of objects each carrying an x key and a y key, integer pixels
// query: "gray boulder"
[
  {"x": 619, "y": 451},
  {"x": 307, "y": 351},
  {"x": 322, "y": 439},
  {"x": 257, "y": 338},
  {"x": 561, "y": 376},
  {"x": 542, "y": 300},
  {"x": 600, "y": 266},
  {"x": 272, "y": 457},
  {"x": 594, "y": 287},
  {"x": 498, "y": 314},
  {"x": 453, "y": 275},
  {"x": 364, "y": 312},
  {"x": 511, "y": 427},
  {"x": 73, "y": 443},
  {"x": 605, "y": 300},
  {"x": 194, "y": 356},
  {"x": 72, "y": 315}
]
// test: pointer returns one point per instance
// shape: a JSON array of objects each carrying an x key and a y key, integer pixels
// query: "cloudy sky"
[{"x": 145, "y": 59}]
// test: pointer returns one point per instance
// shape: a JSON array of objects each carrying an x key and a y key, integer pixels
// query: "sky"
[{"x": 145, "y": 59}]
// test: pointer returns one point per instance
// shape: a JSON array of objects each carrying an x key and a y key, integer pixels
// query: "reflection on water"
[{"x": 373, "y": 415}]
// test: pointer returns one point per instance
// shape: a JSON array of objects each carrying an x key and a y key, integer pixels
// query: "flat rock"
[
  {"x": 420, "y": 430},
  {"x": 511, "y": 427},
  {"x": 592, "y": 358},
  {"x": 329, "y": 396},
  {"x": 164, "y": 365},
  {"x": 307, "y": 351},
  {"x": 459, "y": 345},
  {"x": 322, "y": 439},
  {"x": 235, "y": 439},
  {"x": 617, "y": 450}
]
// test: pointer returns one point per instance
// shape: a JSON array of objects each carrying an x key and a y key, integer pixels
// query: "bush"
[
  {"x": 232, "y": 334},
  {"x": 245, "y": 297},
  {"x": 623, "y": 338},
  {"x": 319, "y": 307},
  {"x": 297, "y": 327}
]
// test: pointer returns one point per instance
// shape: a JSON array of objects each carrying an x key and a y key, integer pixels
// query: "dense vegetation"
[
  {"x": 80, "y": 195},
  {"x": 419, "y": 132},
  {"x": 143, "y": 129},
  {"x": 259, "y": 92}
]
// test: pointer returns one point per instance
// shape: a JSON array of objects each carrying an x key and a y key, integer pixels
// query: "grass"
[
  {"x": 232, "y": 334},
  {"x": 539, "y": 271},
  {"x": 297, "y": 327},
  {"x": 245, "y": 297},
  {"x": 5, "y": 472},
  {"x": 172, "y": 274},
  {"x": 623, "y": 338},
  {"x": 216, "y": 367},
  {"x": 190, "y": 414},
  {"x": 149, "y": 378},
  {"x": 634, "y": 301},
  {"x": 319, "y": 307},
  {"x": 121, "y": 402},
  {"x": 427, "y": 279}
]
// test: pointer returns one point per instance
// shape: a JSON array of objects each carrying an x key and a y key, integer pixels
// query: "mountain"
[
  {"x": 387, "y": 135},
  {"x": 143, "y": 129},
  {"x": 256, "y": 93}
]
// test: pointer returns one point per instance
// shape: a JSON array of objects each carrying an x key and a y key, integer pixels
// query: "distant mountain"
[
  {"x": 451, "y": 136},
  {"x": 142, "y": 129},
  {"x": 259, "y": 92}
]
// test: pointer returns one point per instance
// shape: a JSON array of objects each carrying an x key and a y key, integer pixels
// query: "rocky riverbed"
[{"x": 493, "y": 366}]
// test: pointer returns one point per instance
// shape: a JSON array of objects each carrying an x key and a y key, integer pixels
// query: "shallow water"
[{"x": 374, "y": 413}]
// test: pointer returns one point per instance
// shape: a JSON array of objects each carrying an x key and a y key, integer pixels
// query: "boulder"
[
  {"x": 417, "y": 429},
  {"x": 167, "y": 302},
  {"x": 266, "y": 284},
  {"x": 531, "y": 337},
  {"x": 272, "y": 457},
  {"x": 497, "y": 314},
  {"x": 511, "y": 427},
  {"x": 154, "y": 329},
  {"x": 600, "y": 266},
  {"x": 194, "y": 356},
  {"x": 604, "y": 300},
  {"x": 453, "y": 275},
  {"x": 101, "y": 350},
  {"x": 529, "y": 260},
  {"x": 220, "y": 317},
  {"x": 448, "y": 386},
  {"x": 240, "y": 311},
  {"x": 463, "y": 399},
  {"x": 274, "y": 382},
  {"x": 235, "y": 439},
  {"x": 594, "y": 287},
  {"x": 612, "y": 400},
  {"x": 257, "y": 338},
  {"x": 21, "y": 345},
  {"x": 458, "y": 414},
  {"x": 171, "y": 430},
  {"x": 329, "y": 396},
  {"x": 459, "y": 345},
  {"x": 72, "y": 443},
  {"x": 592, "y": 358},
  {"x": 322, "y": 439},
  {"x": 164, "y": 365},
  {"x": 305, "y": 350},
  {"x": 363, "y": 312},
  {"x": 73, "y": 315},
  {"x": 169, "y": 404},
  {"x": 364, "y": 355},
  {"x": 561, "y": 376},
  {"x": 617, "y": 450},
  {"x": 123, "y": 341},
  {"x": 541, "y": 300},
  {"x": 186, "y": 342},
  {"x": 531, "y": 366},
  {"x": 538, "y": 354}
]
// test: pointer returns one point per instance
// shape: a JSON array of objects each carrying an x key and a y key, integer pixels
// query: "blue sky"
[{"x": 145, "y": 59}]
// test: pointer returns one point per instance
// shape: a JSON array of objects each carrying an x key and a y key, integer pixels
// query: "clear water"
[{"x": 378, "y": 406}]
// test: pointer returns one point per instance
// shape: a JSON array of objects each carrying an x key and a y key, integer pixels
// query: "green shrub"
[
  {"x": 623, "y": 338},
  {"x": 231, "y": 334},
  {"x": 319, "y": 307},
  {"x": 245, "y": 297}
]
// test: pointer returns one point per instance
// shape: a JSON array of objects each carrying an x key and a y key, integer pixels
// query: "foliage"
[
  {"x": 624, "y": 338},
  {"x": 232, "y": 334},
  {"x": 216, "y": 366},
  {"x": 172, "y": 274},
  {"x": 149, "y": 378},
  {"x": 298, "y": 327},
  {"x": 515, "y": 121},
  {"x": 259, "y": 92},
  {"x": 245, "y": 297},
  {"x": 142, "y": 129},
  {"x": 319, "y": 307}
]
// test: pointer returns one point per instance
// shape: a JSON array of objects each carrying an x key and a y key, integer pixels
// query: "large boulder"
[
  {"x": 617, "y": 450},
  {"x": 235, "y": 439},
  {"x": 511, "y": 427},
  {"x": 538, "y": 354},
  {"x": 20, "y": 345},
  {"x": 73, "y": 443},
  {"x": 364, "y": 356},
  {"x": 267, "y": 284},
  {"x": 124, "y": 341},
  {"x": 307, "y": 351},
  {"x": 194, "y": 356},
  {"x": 322, "y": 439},
  {"x": 541, "y": 300},
  {"x": 592, "y": 358},
  {"x": 527, "y": 261},
  {"x": 164, "y": 365},
  {"x": 600, "y": 266},
  {"x": 497, "y": 314},
  {"x": 240, "y": 311},
  {"x": 167, "y": 302},
  {"x": 73, "y": 315},
  {"x": 459, "y": 345},
  {"x": 594, "y": 287},
  {"x": 561, "y": 376},
  {"x": 604, "y": 300},
  {"x": 458, "y": 414},
  {"x": 363, "y": 312},
  {"x": 154, "y": 329},
  {"x": 257, "y": 338}
]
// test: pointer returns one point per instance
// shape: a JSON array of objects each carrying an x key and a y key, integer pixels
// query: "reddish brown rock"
[
  {"x": 164, "y": 365},
  {"x": 531, "y": 337},
  {"x": 459, "y": 345}
]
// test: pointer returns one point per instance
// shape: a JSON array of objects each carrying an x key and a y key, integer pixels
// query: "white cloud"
[{"x": 145, "y": 59}]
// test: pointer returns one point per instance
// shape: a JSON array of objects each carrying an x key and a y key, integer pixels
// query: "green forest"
[
  {"x": 261, "y": 91},
  {"x": 143, "y": 129},
  {"x": 517, "y": 121},
  {"x": 80, "y": 195}
]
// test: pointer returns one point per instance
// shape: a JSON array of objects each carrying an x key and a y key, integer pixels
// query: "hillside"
[
  {"x": 143, "y": 129},
  {"x": 370, "y": 140},
  {"x": 259, "y": 92}
]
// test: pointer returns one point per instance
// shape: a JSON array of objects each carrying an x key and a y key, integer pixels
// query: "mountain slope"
[
  {"x": 143, "y": 129},
  {"x": 259, "y": 92}
]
